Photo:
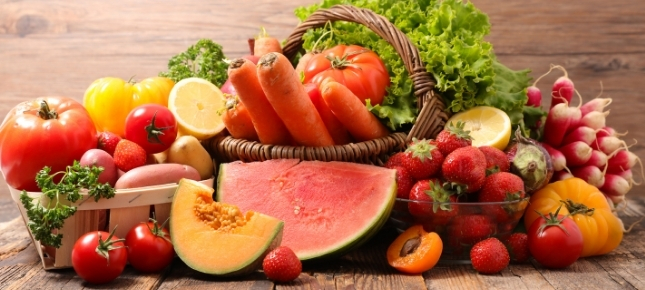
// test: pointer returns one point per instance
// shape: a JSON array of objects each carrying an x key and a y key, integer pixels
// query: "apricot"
[{"x": 415, "y": 250}]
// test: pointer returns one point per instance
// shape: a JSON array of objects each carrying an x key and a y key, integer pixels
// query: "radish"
[
  {"x": 594, "y": 120},
  {"x": 608, "y": 144},
  {"x": 558, "y": 160},
  {"x": 590, "y": 174},
  {"x": 561, "y": 175},
  {"x": 562, "y": 90},
  {"x": 534, "y": 97},
  {"x": 576, "y": 153},
  {"x": 559, "y": 119},
  {"x": 595, "y": 105},
  {"x": 582, "y": 133},
  {"x": 615, "y": 187},
  {"x": 621, "y": 160},
  {"x": 598, "y": 159}
]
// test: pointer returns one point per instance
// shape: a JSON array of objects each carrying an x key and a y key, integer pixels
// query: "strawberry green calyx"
[
  {"x": 421, "y": 149},
  {"x": 553, "y": 220},
  {"x": 458, "y": 130},
  {"x": 440, "y": 196}
]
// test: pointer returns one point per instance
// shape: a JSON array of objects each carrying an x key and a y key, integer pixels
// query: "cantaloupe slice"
[{"x": 217, "y": 238}]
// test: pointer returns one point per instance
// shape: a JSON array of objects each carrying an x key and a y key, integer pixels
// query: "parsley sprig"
[
  {"x": 204, "y": 59},
  {"x": 59, "y": 198}
]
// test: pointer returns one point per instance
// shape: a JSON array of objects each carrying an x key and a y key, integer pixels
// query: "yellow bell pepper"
[
  {"x": 602, "y": 231},
  {"x": 109, "y": 100}
]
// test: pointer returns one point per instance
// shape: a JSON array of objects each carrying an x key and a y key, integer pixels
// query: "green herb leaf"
[
  {"x": 205, "y": 59},
  {"x": 49, "y": 212}
]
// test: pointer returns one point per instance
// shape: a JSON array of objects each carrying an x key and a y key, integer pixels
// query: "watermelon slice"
[{"x": 328, "y": 208}]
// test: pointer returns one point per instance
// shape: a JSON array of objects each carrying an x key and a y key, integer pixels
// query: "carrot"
[
  {"x": 337, "y": 130},
  {"x": 288, "y": 97},
  {"x": 351, "y": 111},
  {"x": 238, "y": 121},
  {"x": 268, "y": 125},
  {"x": 264, "y": 44}
]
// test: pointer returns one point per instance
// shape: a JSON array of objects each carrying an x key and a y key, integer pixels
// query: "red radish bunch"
[{"x": 582, "y": 145}]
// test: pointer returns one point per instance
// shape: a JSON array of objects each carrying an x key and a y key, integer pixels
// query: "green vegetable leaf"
[
  {"x": 205, "y": 59},
  {"x": 49, "y": 212}
]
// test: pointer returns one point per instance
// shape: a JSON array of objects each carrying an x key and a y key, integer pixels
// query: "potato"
[
  {"x": 98, "y": 157},
  {"x": 156, "y": 174},
  {"x": 189, "y": 151}
]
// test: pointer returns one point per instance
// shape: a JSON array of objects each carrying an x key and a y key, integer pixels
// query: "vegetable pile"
[{"x": 450, "y": 38}]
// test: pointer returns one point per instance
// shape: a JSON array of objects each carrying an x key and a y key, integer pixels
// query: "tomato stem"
[
  {"x": 577, "y": 208},
  {"x": 46, "y": 112},
  {"x": 343, "y": 62},
  {"x": 553, "y": 221},
  {"x": 154, "y": 131},
  {"x": 105, "y": 246}
]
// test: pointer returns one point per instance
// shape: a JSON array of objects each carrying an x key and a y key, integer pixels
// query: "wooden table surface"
[{"x": 56, "y": 47}]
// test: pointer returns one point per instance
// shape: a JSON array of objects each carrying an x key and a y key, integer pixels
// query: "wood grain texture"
[{"x": 55, "y": 47}]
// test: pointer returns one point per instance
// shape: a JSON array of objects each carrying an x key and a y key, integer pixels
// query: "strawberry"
[
  {"x": 470, "y": 229},
  {"x": 107, "y": 142},
  {"x": 281, "y": 265},
  {"x": 518, "y": 247},
  {"x": 465, "y": 169},
  {"x": 489, "y": 256},
  {"x": 433, "y": 203},
  {"x": 394, "y": 160},
  {"x": 404, "y": 182},
  {"x": 453, "y": 137},
  {"x": 422, "y": 159},
  {"x": 499, "y": 187},
  {"x": 129, "y": 155},
  {"x": 496, "y": 160}
]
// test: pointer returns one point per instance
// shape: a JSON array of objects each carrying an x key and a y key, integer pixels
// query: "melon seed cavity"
[{"x": 221, "y": 217}]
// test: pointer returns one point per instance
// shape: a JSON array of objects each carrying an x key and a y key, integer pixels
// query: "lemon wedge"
[
  {"x": 488, "y": 126},
  {"x": 195, "y": 102}
]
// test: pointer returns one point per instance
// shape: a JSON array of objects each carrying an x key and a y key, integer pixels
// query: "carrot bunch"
[
  {"x": 582, "y": 145},
  {"x": 283, "y": 111}
]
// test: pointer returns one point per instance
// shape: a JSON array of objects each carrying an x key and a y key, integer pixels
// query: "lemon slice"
[
  {"x": 488, "y": 126},
  {"x": 195, "y": 103}
]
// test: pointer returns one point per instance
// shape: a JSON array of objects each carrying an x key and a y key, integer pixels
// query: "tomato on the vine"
[
  {"x": 359, "y": 69},
  {"x": 149, "y": 247},
  {"x": 555, "y": 241},
  {"x": 152, "y": 127},
  {"x": 99, "y": 257},
  {"x": 46, "y": 131}
]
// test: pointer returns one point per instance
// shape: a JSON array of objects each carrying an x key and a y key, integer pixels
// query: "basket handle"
[{"x": 432, "y": 114}]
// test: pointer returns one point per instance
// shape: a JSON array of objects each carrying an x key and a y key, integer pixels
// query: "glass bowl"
[{"x": 460, "y": 225}]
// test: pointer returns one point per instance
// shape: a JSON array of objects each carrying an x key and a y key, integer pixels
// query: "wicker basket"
[
  {"x": 126, "y": 209},
  {"x": 431, "y": 119}
]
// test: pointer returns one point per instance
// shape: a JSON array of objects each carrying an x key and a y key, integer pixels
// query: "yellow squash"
[
  {"x": 602, "y": 231},
  {"x": 109, "y": 100}
]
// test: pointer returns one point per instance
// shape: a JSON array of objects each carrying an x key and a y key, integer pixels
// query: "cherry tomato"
[
  {"x": 359, "y": 69},
  {"x": 555, "y": 241},
  {"x": 152, "y": 127},
  {"x": 149, "y": 247},
  {"x": 99, "y": 257}
]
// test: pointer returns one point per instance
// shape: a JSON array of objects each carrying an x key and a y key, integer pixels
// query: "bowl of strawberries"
[{"x": 462, "y": 192}]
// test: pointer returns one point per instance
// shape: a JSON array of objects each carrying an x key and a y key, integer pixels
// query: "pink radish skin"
[
  {"x": 598, "y": 159},
  {"x": 577, "y": 153},
  {"x": 561, "y": 175},
  {"x": 615, "y": 186},
  {"x": 562, "y": 91},
  {"x": 558, "y": 160},
  {"x": 594, "y": 120},
  {"x": 582, "y": 133},
  {"x": 559, "y": 119},
  {"x": 534, "y": 97},
  {"x": 595, "y": 105},
  {"x": 606, "y": 131},
  {"x": 608, "y": 144},
  {"x": 621, "y": 160},
  {"x": 591, "y": 174},
  {"x": 626, "y": 174}
]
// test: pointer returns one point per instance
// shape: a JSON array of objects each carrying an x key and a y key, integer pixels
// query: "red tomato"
[
  {"x": 47, "y": 131},
  {"x": 99, "y": 257},
  {"x": 152, "y": 127},
  {"x": 359, "y": 69},
  {"x": 149, "y": 247},
  {"x": 555, "y": 241}
]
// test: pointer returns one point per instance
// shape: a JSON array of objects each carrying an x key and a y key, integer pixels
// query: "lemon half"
[
  {"x": 195, "y": 102},
  {"x": 488, "y": 126}
]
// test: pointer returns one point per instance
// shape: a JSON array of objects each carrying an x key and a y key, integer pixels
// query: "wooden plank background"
[{"x": 57, "y": 47}]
